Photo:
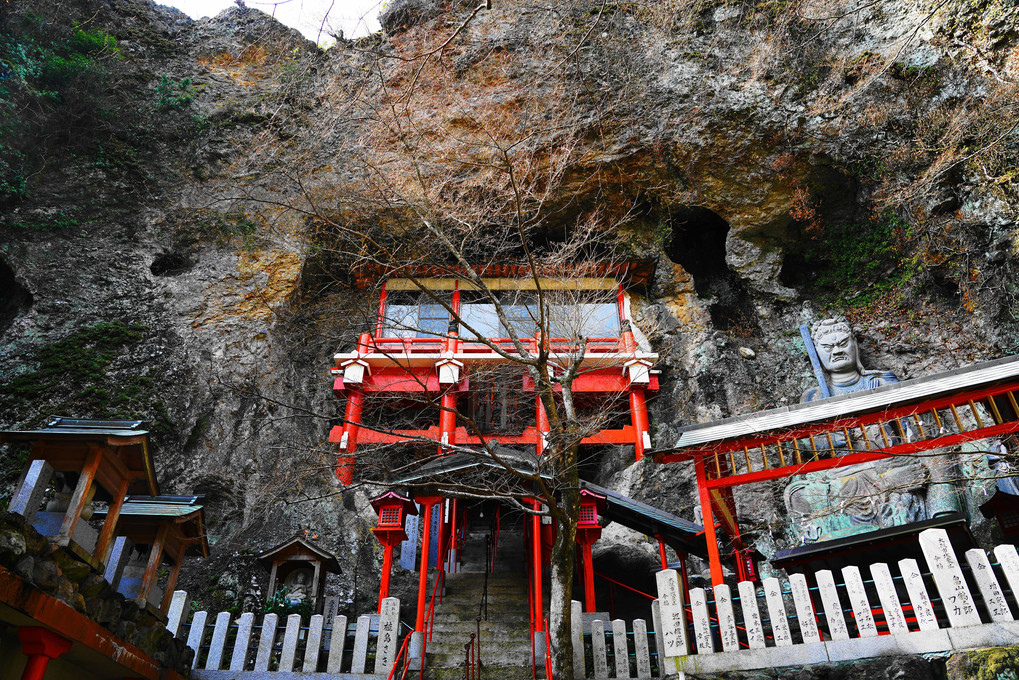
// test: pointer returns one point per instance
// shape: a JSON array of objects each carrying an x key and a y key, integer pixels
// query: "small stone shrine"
[
  {"x": 84, "y": 461},
  {"x": 298, "y": 568}
]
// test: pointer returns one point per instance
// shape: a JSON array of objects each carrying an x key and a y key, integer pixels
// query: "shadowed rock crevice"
[
  {"x": 15, "y": 299},
  {"x": 697, "y": 243}
]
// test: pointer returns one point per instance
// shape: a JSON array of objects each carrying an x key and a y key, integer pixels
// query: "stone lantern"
[
  {"x": 392, "y": 509},
  {"x": 589, "y": 531}
]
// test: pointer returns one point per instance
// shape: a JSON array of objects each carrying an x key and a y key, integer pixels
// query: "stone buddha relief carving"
[{"x": 859, "y": 498}]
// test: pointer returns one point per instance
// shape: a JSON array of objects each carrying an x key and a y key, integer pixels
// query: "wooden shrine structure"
[{"x": 923, "y": 416}]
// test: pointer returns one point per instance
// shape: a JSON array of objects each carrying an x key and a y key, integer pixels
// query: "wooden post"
[
  {"x": 536, "y": 614},
  {"x": 78, "y": 500},
  {"x": 110, "y": 524},
  {"x": 172, "y": 581},
  {"x": 426, "y": 531},
  {"x": 155, "y": 556},
  {"x": 714, "y": 558},
  {"x": 588, "y": 563},
  {"x": 387, "y": 567}
]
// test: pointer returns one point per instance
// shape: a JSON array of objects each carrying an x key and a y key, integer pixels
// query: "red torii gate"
[{"x": 910, "y": 417}]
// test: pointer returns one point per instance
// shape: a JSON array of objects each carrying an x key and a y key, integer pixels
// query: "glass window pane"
[
  {"x": 401, "y": 321},
  {"x": 481, "y": 317},
  {"x": 590, "y": 320},
  {"x": 432, "y": 320}
]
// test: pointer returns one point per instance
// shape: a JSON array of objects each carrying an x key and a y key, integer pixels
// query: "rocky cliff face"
[{"x": 165, "y": 181}]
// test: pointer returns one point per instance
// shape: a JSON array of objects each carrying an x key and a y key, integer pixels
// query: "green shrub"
[{"x": 171, "y": 95}]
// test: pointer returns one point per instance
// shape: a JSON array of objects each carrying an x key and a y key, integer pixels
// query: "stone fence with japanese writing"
[
  {"x": 906, "y": 608},
  {"x": 244, "y": 646}
]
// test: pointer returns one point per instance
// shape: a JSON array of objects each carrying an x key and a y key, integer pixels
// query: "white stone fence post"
[
  {"x": 227, "y": 646},
  {"x": 829, "y": 616}
]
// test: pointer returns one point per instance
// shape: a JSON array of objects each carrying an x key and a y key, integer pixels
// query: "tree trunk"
[{"x": 561, "y": 592}]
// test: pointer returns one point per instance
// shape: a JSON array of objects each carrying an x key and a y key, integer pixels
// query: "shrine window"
[
  {"x": 569, "y": 314},
  {"x": 414, "y": 315}
]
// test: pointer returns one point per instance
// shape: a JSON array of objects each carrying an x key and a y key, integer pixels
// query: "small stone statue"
[
  {"x": 840, "y": 357},
  {"x": 297, "y": 588}
]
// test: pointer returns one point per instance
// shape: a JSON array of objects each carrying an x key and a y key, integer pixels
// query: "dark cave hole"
[
  {"x": 795, "y": 272},
  {"x": 697, "y": 244},
  {"x": 169, "y": 263},
  {"x": 14, "y": 298}
]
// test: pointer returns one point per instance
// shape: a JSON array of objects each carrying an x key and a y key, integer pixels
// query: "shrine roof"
[
  {"x": 139, "y": 514},
  {"x": 633, "y": 273},
  {"x": 162, "y": 506},
  {"x": 458, "y": 462},
  {"x": 129, "y": 438},
  {"x": 298, "y": 547},
  {"x": 855, "y": 403},
  {"x": 650, "y": 520}
]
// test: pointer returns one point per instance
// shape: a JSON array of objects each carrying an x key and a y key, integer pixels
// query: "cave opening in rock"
[
  {"x": 170, "y": 263},
  {"x": 14, "y": 298},
  {"x": 697, "y": 243}
]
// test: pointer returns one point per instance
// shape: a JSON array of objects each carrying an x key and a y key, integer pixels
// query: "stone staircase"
[{"x": 505, "y": 650}]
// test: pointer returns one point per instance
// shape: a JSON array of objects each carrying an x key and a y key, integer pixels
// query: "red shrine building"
[{"x": 438, "y": 376}]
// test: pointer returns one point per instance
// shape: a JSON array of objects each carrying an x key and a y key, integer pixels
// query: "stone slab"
[
  {"x": 998, "y": 634},
  {"x": 218, "y": 641},
  {"x": 726, "y": 618},
  {"x": 28, "y": 497},
  {"x": 243, "y": 640},
  {"x": 1008, "y": 558},
  {"x": 829, "y": 596},
  {"x": 389, "y": 635},
  {"x": 987, "y": 582},
  {"x": 641, "y": 651},
  {"x": 750, "y": 659},
  {"x": 197, "y": 634},
  {"x": 577, "y": 635},
  {"x": 673, "y": 613},
  {"x": 923, "y": 610},
  {"x": 777, "y": 614},
  {"x": 620, "y": 649},
  {"x": 265, "y": 642},
  {"x": 600, "y": 659},
  {"x": 857, "y": 594},
  {"x": 337, "y": 640},
  {"x": 180, "y": 607},
  {"x": 290, "y": 638},
  {"x": 701, "y": 622},
  {"x": 804, "y": 609},
  {"x": 361, "y": 644},
  {"x": 885, "y": 587},
  {"x": 314, "y": 645},
  {"x": 947, "y": 575},
  {"x": 751, "y": 615}
]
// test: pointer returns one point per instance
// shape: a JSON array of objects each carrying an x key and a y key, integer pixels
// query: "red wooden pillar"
[
  {"x": 352, "y": 416},
  {"x": 661, "y": 552},
  {"x": 588, "y": 564},
  {"x": 426, "y": 536},
  {"x": 537, "y": 619},
  {"x": 714, "y": 558},
  {"x": 639, "y": 419},
  {"x": 541, "y": 421},
  {"x": 40, "y": 645},
  {"x": 387, "y": 568}
]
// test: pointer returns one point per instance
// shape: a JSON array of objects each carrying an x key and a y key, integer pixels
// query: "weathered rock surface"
[{"x": 163, "y": 258}]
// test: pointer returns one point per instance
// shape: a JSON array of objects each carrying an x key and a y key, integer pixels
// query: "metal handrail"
[
  {"x": 623, "y": 585},
  {"x": 399, "y": 655},
  {"x": 548, "y": 653},
  {"x": 483, "y": 605}
]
